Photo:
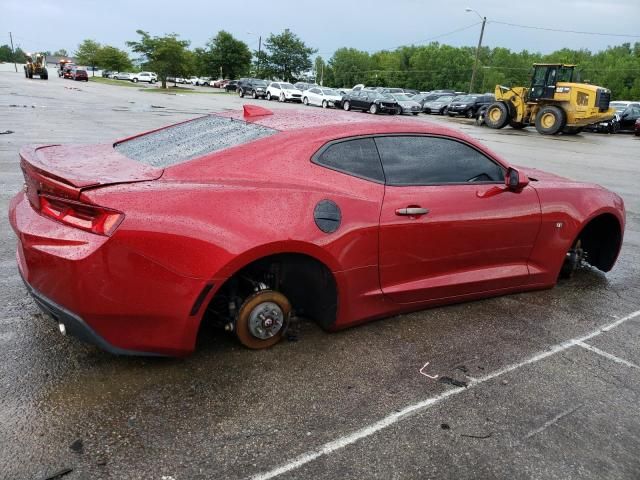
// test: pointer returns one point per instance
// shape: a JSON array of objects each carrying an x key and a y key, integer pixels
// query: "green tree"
[
  {"x": 88, "y": 53},
  {"x": 286, "y": 56},
  {"x": 165, "y": 56},
  {"x": 5, "y": 54},
  {"x": 226, "y": 56},
  {"x": 319, "y": 67},
  {"x": 112, "y": 58},
  {"x": 349, "y": 67},
  {"x": 60, "y": 53}
]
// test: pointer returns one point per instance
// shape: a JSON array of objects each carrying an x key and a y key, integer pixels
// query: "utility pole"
[
  {"x": 475, "y": 64},
  {"x": 259, "y": 55},
  {"x": 13, "y": 53}
]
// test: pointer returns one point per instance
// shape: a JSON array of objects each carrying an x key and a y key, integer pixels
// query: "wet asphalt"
[{"x": 227, "y": 412}]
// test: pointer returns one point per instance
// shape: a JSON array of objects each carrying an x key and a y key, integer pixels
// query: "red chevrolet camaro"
[{"x": 248, "y": 218}]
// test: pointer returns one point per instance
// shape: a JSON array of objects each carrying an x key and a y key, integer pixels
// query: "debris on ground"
[
  {"x": 77, "y": 446},
  {"x": 58, "y": 474},
  {"x": 6, "y": 132},
  {"x": 476, "y": 436},
  {"x": 462, "y": 368},
  {"x": 453, "y": 381},
  {"x": 445, "y": 426}
]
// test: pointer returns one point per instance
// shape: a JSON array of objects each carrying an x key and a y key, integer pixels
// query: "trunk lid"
[{"x": 68, "y": 169}]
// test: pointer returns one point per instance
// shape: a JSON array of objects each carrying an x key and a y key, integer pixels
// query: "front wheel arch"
[{"x": 600, "y": 239}]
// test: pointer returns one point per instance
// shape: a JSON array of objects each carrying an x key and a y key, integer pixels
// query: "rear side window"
[
  {"x": 179, "y": 143},
  {"x": 414, "y": 160},
  {"x": 357, "y": 157}
]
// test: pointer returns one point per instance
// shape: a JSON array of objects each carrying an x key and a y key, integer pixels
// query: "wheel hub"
[
  {"x": 548, "y": 120},
  {"x": 495, "y": 114},
  {"x": 266, "y": 320}
]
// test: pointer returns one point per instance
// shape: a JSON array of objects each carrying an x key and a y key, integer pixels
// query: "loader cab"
[{"x": 545, "y": 77}]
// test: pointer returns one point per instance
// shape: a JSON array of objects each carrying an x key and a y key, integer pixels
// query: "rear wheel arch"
[{"x": 307, "y": 282}]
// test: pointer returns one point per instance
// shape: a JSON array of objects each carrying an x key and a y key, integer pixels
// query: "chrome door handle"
[{"x": 412, "y": 211}]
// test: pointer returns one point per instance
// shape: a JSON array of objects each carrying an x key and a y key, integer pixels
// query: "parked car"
[
  {"x": 148, "y": 77},
  {"x": 468, "y": 105},
  {"x": 411, "y": 91},
  {"x": 370, "y": 101},
  {"x": 374, "y": 220},
  {"x": 406, "y": 104},
  {"x": 283, "y": 92},
  {"x": 176, "y": 80},
  {"x": 322, "y": 96},
  {"x": 637, "y": 128},
  {"x": 220, "y": 83},
  {"x": 391, "y": 90},
  {"x": 106, "y": 73},
  {"x": 231, "y": 86},
  {"x": 302, "y": 86},
  {"x": 79, "y": 74},
  {"x": 440, "y": 105},
  {"x": 122, "y": 76},
  {"x": 252, "y": 87},
  {"x": 204, "y": 82},
  {"x": 627, "y": 118}
]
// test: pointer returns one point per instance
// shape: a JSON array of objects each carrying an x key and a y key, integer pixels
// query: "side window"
[
  {"x": 416, "y": 160},
  {"x": 357, "y": 157}
]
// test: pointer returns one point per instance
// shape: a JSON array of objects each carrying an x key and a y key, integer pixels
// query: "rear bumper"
[
  {"x": 76, "y": 326},
  {"x": 104, "y": 292}
]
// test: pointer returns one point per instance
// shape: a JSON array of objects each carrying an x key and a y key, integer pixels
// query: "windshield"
[
  {"x": 467, "y": 99},
  {"x": 329, "y": 91},
  {"x": 445, "y": 99},
  {"x": 619, "y": 107},
  {"x": 401, "y": 97},
  {"x": 287, "y": 86},
  {"x": 260, "y": 83}
]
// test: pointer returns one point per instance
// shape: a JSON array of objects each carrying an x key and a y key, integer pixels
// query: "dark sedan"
[
  {"x": 370, "y": 101},
  {"x": 231, "y": 86},
  {"x": 469, "y": 105},
  {"x": 628, "y": 118}
]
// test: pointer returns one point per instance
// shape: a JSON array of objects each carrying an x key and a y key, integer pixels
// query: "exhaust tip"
[{"x": 62, "y": 328}]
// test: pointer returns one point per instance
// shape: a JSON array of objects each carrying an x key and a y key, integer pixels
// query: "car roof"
[{"x": 319, "y": 123}]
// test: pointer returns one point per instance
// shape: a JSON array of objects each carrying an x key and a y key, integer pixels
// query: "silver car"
[
  {"x": 439, "y": 105},
  {"x": 406, "y": 104}
]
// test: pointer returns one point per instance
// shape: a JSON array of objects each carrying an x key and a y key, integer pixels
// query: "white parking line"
[
  {"x": 410, "y": 410},
  {"x": 608, "y": 355}
]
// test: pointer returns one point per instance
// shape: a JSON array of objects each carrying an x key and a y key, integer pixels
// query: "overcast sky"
[{"x": 323, "y": 24}]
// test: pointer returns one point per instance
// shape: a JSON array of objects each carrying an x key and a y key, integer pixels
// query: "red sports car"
[{"x": 246, "y": 219}]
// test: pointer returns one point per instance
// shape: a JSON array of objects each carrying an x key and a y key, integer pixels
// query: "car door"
[
  {"x": 449, "y": 227},
  {"x": 312, "y": 96},
  {"x": 629, "y": 117}
]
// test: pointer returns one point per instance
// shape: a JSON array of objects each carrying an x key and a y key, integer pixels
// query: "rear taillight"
[{"x": 91, "y": 218}]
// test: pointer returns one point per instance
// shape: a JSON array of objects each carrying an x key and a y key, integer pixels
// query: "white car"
[
  {"x": 283, "y": 92},
  {"x": 122, "y": 76},
  {"x": 321, "y": 96},
  {"x": 193, "y": 80},
  {"x": 149, "y": 77}
]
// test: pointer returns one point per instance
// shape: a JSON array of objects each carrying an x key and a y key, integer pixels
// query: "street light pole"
[
  {"x": 259, "y": 53},
  {"x": 475, "y": 63}
]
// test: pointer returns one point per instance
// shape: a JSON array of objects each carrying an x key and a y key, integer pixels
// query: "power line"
[{"x": 564, "y": 31}]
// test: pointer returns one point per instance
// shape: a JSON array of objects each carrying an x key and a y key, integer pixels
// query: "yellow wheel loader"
[
  {"x": 36, "y": 67},
  {"x": 554, "y": 103}
]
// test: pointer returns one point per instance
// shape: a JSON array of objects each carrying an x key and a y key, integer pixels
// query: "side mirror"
[{"x": 515, "y": 180}]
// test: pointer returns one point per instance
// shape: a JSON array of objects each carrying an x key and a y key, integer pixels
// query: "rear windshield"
[{"x": 179, "y": 143}]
